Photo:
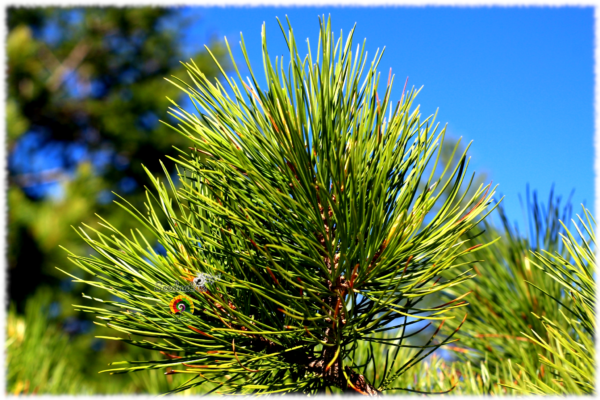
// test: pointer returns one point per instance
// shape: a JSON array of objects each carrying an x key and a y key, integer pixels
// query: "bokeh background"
[{"x": 86, "y": 93}]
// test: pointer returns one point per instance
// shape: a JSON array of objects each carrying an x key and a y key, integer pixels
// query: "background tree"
[{"x": 85, "y": 92}]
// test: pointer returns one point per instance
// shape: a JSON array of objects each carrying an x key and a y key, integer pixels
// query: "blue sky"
[{"x": 518, "y": 82}]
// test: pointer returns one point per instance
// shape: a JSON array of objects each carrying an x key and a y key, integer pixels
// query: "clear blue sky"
[{"x": 518, "y": 82}]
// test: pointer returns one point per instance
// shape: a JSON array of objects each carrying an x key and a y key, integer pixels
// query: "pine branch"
[{"x": 305, "y": 199}]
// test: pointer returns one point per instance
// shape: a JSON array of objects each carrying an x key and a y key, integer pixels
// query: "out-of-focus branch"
[
  {"x": 50, "y": 61},
  {"x": 39, "y": 178},
  {"x": 70, "y": 64}
]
